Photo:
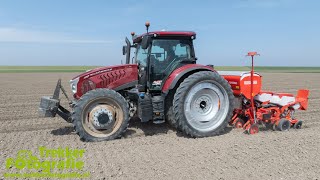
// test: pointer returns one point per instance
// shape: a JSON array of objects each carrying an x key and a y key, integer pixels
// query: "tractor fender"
[{"x": 179, "y": 73}]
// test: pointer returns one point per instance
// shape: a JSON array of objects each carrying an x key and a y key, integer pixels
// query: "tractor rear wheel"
[
  {"x": 100, "y": 114},
  {"x": 203, "y": 104},
  {"x": 171, "y": 119},
  {"x": 169, "y": 111}
]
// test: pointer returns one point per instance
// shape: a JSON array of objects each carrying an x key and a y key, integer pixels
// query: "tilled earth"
[{"x": 149, "y": 151}]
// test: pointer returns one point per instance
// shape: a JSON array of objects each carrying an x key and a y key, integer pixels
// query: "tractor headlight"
[{"x": 73, "y": 84}]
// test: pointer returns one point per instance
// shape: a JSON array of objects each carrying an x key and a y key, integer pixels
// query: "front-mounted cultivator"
[{"x": 255, "y": 107}]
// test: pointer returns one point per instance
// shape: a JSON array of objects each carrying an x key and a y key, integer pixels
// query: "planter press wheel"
[
  {"x": 239, "y": 123},
  {"x": 283, "y": 125},
  {"x": 298, "y": 125},
  {"x": 254, "y": 129}
]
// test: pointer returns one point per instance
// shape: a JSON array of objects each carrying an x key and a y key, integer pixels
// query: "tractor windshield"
[
  {"x": 164, "y": 52},
  {"x": 141, "y": 56}
]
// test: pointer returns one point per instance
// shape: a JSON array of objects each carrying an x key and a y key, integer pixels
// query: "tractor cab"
[{"x": 158, "y": 54}]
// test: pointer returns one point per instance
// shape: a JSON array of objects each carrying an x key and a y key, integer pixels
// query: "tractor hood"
[
  {"x": 111, "y": 77},
  {"x": 96, "y": 71}
]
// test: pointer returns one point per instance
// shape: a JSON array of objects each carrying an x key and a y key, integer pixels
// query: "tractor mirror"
[
  {"x": 145, "y": 42},
  {"x": 124, "y": 50}
]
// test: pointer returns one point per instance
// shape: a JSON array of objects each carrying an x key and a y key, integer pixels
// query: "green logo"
[{"x": 50, "y": 163}]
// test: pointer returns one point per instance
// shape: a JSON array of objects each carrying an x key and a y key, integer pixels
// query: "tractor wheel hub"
[
  {"x": 102, "y": 118},
  {"x": 203, "y": 104}
]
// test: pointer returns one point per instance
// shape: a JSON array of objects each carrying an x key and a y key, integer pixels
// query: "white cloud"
[{"x": 8, "y": 34}]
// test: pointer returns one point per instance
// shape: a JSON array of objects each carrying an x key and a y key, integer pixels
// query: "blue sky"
[{"x": 78, "y": 32}]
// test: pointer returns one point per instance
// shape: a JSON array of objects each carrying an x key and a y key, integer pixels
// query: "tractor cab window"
[
  {"x": 166, "y": 55},
  {"x": 141, "y": 56},
  {"x": 182, "y": 51},
  {"x": 168, "y": 50}
]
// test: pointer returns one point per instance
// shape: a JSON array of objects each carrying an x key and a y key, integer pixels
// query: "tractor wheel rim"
[
  {"x": 102, "y": 117},
  {"x": 206, "y": 106}
]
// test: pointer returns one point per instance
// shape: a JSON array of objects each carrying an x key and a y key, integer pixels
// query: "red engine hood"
[
  {"x": 99, "y": 70},
  {"x": 111, "y": 77}
]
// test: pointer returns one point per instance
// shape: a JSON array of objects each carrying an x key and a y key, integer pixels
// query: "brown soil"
[{"x": 150, "y": 151}]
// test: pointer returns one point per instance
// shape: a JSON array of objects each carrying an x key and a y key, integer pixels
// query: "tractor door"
[
  {"x": 166, "y": 55},
  {"x": 142, "y": 61}
]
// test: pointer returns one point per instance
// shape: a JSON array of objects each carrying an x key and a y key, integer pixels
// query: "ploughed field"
[{"x": 156, "y": 151}]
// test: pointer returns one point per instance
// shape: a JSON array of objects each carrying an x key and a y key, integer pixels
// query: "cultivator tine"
[
  {"x": 50, "y": 106},
  {"x": 57, "y": 90},
  {"x": 65, "y": 94}
]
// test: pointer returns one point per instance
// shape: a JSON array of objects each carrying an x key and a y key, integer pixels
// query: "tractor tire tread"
[
  {"x": 77, "y": 113},
  {"x": 181, "y": 93}
]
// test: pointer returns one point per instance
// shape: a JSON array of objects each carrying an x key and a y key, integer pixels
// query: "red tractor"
[{"x": 163, "y": 83}]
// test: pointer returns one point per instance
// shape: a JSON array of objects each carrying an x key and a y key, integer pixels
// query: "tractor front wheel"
[
  {"x": 203, "y": 104},
  {"x": 100, "y": 114}
]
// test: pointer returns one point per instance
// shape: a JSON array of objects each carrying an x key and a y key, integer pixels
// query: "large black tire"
[
  {"x": 171, "y": 119},
  {"x": 100, "y": 115},
  {"x": 169, "y": 110},
  {"x": 203, "y": 104}
]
